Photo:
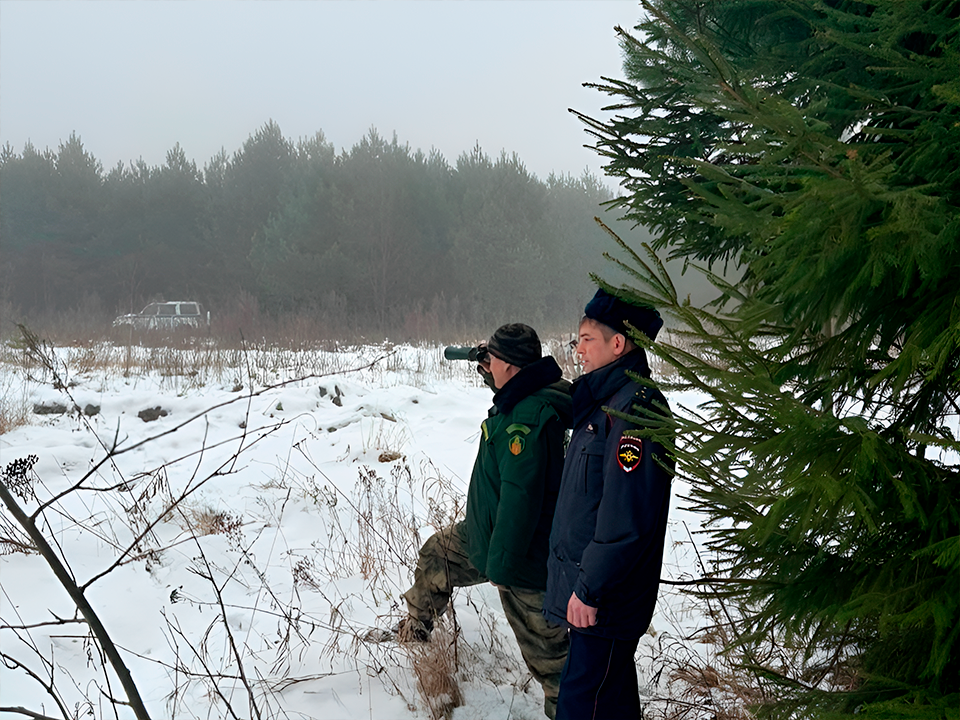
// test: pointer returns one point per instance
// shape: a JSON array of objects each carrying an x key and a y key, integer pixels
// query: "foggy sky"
[{"x": 134, "y": 78}]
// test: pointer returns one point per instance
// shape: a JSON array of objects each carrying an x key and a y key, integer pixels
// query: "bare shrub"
[{"x": 85, "y": 322}]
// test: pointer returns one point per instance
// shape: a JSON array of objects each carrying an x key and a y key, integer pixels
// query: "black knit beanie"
[
  {"x": 516, "y": 344},
  {"x": 615, "y": 312}
]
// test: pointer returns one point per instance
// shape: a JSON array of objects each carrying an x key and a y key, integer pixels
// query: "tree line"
[{"x": 368, "y": 236}]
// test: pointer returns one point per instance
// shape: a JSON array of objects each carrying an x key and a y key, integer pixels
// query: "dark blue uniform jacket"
[{"x": 608, "y": 531}]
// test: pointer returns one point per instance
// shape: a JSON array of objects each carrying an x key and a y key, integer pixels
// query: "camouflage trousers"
[{"x": 444, "y": 565}]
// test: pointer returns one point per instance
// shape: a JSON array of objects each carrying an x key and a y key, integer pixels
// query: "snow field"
[{"x": 266, "y": 524}]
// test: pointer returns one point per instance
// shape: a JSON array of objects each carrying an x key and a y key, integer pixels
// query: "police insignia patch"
[
  {"x": 629, "y": 453},
  {"x": 516, "y": 445}
]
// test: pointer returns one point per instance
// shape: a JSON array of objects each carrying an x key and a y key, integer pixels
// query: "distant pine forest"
[{"x": 379, "y": 238}]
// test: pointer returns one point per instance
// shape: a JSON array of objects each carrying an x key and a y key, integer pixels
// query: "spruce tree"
[{"x": 814, "y": 149}]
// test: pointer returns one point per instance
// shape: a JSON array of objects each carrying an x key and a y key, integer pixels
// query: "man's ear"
[{"x": 619, "y": 344}]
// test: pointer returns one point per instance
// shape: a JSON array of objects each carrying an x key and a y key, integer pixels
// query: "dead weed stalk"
[{"x": 435, "y": 665}]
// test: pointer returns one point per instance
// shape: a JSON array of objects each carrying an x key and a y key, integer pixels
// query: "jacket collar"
[
  {"x": 531, "y": 378},
  {"x": 592, "y": 389}
]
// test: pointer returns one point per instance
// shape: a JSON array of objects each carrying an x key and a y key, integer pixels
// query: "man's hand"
[{"x": 579, "y": 614}]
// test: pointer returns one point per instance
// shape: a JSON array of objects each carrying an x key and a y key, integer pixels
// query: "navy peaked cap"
[{"x": 616, "y": 312}]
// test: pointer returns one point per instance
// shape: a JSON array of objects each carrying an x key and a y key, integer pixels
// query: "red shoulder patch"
[{"x": 629, "y": 453}]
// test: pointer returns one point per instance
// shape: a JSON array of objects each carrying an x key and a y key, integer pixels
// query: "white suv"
[{"x": 167, "y": 316}]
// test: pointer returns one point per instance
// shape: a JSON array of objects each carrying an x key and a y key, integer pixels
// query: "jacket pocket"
[{"x": 592, "y": 465}]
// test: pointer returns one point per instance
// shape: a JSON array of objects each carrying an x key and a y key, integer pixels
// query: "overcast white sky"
[{"x": 133, "y": 78}]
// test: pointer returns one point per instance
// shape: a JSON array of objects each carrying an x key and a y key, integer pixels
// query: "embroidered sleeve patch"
[
  {"x": 518, "y": 428},
  {"x": 516, "y": 445},
  {"x": 629, "y": 453}
]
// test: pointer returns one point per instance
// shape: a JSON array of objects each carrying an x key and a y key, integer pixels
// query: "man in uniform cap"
[
  {"x": 609, "y": 526},
  {"x": 510, "y": 503}
]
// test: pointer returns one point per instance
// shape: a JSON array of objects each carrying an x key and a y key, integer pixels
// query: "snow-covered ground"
[{"x": 305, "y": 484}]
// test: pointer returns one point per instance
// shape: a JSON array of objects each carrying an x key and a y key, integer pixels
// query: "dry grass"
[
  {"x": 715, "y": 673},
  {"x": 435, "y": 665},
  {"x": 385, "y": 438},
  {"x": 375, "y": 532},
  {"x": 16, "y": 370},
  {"x": 240, "y": 322},
  {"x": 386, "y": 530},
  {"x": 205, "y": 520},
  {"x": 14, "y": 402}
]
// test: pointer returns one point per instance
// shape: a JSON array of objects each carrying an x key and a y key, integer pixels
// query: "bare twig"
[
  {"x": 28, "y": 713},
  {"x": 208, "y": 673},
  {"x": 175, "y": 503},
  {"x": 223, "y": 616},
  {"x": 57, "y": 621},
  {"x": 14, "y": 664},
  {"x": 77, "y": 596}
]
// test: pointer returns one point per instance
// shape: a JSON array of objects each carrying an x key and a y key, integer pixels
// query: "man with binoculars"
[{"x": 510, "y": 505}]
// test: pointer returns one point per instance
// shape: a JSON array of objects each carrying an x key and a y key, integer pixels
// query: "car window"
[
  {"x": 168, "y": 309},
  {"x": 151, "y": 309},
  {"x": 189, "y": 309}
]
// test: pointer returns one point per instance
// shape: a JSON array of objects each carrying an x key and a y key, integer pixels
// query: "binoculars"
[{"x": 476, "y": 354}]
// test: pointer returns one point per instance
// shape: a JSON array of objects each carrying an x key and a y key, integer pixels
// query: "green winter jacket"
[{"x": 516, "y": 477}]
